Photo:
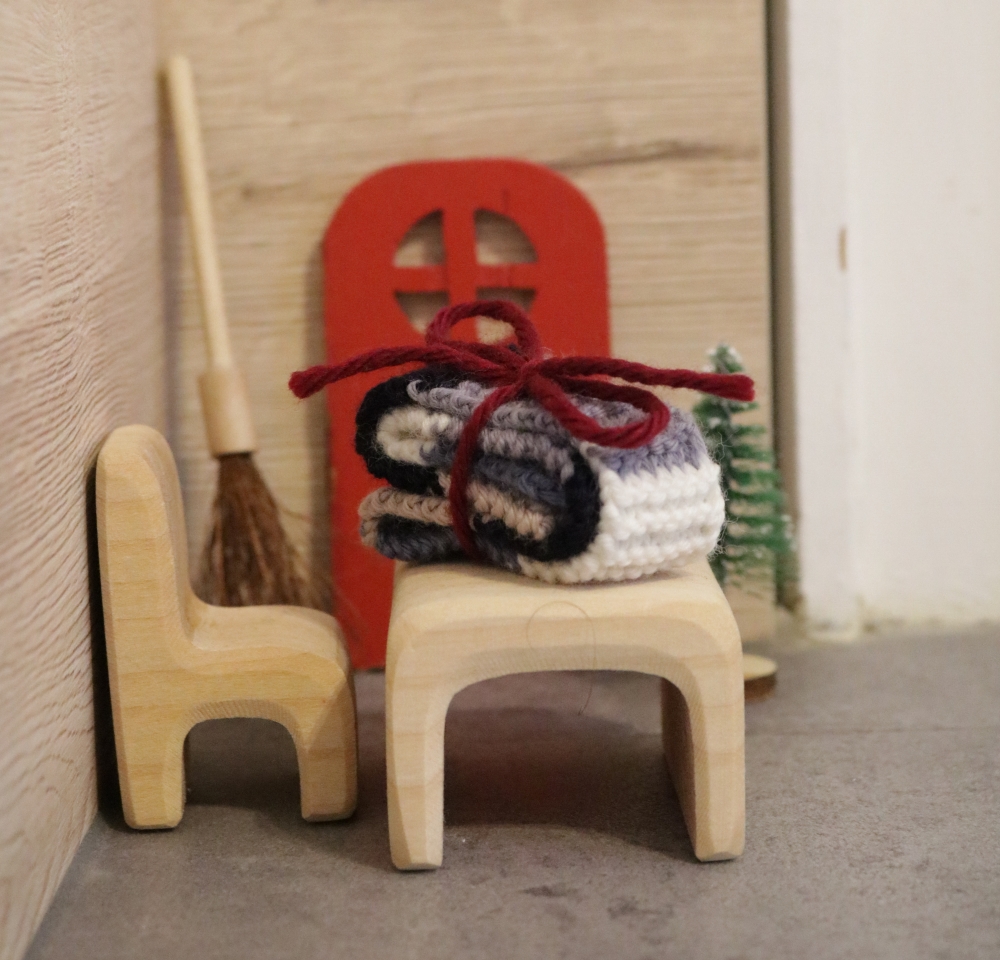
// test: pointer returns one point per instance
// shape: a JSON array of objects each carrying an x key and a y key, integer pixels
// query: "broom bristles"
[{"x": 248, "y": 558}]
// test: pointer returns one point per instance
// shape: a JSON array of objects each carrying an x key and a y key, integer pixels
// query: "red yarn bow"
[{"x": 527, "y": 372}]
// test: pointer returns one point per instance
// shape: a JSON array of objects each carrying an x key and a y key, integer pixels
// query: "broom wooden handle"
[{"x": 225, "y": 404}]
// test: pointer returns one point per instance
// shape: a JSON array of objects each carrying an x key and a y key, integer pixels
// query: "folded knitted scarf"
[
  {"x": 540, "y": 464},
  {"x": 542, "y": 502}
]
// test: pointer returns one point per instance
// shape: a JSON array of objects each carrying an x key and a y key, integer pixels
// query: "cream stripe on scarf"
[{"x": 487, "y": 502}]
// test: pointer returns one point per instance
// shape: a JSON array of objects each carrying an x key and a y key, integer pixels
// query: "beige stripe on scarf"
[{"x": 487, "y": 501}]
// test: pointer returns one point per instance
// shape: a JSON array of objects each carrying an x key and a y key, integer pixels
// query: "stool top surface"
[{"x": 453, "y": 597}]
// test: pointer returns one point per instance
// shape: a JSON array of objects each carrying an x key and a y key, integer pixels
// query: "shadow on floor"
[{"x": 522, "y": 766}]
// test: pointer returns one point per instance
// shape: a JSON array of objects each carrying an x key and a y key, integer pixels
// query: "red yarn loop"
[{"x": 526, "y": 371}]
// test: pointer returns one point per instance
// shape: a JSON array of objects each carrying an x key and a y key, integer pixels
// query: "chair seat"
[{"x": 456, "y": 624}]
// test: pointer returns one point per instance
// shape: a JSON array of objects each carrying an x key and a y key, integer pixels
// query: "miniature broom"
[{"x": 248, "y": 558}]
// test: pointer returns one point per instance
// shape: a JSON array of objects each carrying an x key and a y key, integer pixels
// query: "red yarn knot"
[{"x": 525, "y": 371}]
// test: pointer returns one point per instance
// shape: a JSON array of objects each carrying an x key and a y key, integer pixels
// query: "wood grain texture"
[
  {"x": 457, "y": 624},
  {"x": 81, "y": 350},
  {"x": 655, "y": 109},
  {"x": 175, "y": 661}
]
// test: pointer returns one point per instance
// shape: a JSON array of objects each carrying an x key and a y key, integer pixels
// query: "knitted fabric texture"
[
  {"x": 522, "y": 371},
  {"x": 541, "y": 502}
]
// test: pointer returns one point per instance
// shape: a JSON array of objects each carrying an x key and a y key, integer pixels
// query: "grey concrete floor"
[{"x": 873, "y": 830}]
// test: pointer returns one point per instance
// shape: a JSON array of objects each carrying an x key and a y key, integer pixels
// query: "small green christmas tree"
[{"x": 756, "y": 549}]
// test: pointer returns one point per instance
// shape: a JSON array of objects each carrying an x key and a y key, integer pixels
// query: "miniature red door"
[{"x": 570, "y": 310}]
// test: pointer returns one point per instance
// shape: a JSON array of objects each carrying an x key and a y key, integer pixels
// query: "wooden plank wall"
[
  {"x": 655, "y": 109},
  {"x": 81, "y": 351}
]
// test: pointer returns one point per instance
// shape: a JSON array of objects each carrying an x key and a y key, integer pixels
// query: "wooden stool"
[
  {"x": 456, "y": 624},
  {"x": 175, "y": 661}
]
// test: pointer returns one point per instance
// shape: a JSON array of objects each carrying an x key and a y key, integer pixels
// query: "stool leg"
[
  {"x": 415, "y": 716},
  {"x": 328, "y": 769},
  {"x": 151, "y": 775},
  {"x": 704, "y": 745}
]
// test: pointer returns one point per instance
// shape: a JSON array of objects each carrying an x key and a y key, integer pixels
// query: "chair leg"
[
  {"x": 328, "y": 769},
  {"x": 151, "y": 774},
  {"x": 415, "y": 717},
  {"x": 704, "y": 746}
]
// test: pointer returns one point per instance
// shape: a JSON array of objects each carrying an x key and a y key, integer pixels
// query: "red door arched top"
[{"x": 570, "y": 310}]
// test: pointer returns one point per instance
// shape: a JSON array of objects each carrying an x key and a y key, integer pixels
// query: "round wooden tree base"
[{"x": 760, "y": 674}]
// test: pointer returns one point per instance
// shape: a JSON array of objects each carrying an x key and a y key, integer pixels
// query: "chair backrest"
[
  {"x": 568, "y": 279},
  {"x": 143, "y": 549}
]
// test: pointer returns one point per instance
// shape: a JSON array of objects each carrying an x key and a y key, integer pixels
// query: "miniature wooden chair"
[
  {"x": 456, "y": 624},
  {"x": 175, "y": 661}
]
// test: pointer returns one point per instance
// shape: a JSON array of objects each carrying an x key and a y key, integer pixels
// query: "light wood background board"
[
  {"x": 81, "y": 351},
  {"x": 655, "y": 109}
]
